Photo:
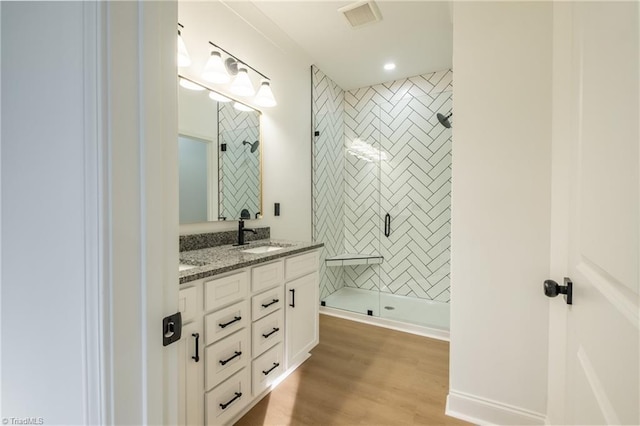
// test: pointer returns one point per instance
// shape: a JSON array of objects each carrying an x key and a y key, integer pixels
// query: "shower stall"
[{"x": 382, "y": 202}]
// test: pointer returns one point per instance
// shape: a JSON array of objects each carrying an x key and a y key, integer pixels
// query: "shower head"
[
  {"x": 444, "y": 120},
  {"x": 254, "y": 146}
]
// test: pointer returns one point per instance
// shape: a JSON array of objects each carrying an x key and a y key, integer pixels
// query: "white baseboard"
[
  {"x": 483, "y": 411},
  {"x": 432, "y": 333}
]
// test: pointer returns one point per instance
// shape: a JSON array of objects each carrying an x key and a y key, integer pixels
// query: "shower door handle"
[{"x": 387, "y": 225}]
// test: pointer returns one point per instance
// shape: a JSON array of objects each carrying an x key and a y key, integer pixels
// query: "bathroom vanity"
[{"x": 250, "y": 317}]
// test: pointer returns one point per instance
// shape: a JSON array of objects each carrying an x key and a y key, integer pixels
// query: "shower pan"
[{"x": 382, "y": 169}]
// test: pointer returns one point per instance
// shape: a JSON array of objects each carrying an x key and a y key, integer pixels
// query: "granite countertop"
[{"x": 220, "y": 259}]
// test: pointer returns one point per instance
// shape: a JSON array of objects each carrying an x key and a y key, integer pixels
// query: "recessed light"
[{"x": 390, "y": 66}]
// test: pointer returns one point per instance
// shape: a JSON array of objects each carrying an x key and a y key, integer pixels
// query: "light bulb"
[
  {"x": 241, "y": 85},
  {"x": 214, "y": 71},
  {"x": 184, "y": 60},
  {"x": 265, "y": 98}
]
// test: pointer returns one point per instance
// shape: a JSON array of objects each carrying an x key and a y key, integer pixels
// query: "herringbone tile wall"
[
  {"x": 239, "y": 174},
  {"x": 413, "y": 185}
]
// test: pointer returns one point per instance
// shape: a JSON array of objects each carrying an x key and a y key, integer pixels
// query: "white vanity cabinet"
[
  {"x": 253, "y": 325},
  {"x": 302, "y": 322}
]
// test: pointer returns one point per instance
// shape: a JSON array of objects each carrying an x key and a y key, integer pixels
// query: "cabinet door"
[
  {"x": 191, "y": 376},
  {"x": 301, "y": 318}
]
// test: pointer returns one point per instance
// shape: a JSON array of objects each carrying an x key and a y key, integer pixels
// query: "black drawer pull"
[
  {"x": 197, "y": 337},
  {"x": 270, "y": 303},
  {"x": 230, "y": 322},
  {"x": 237, "y": 354},
  {"x": 293, "y": 298},
  {"x": 266, "y": 336},
  {"x": 238, "y": 395},
  {"x": 275, "y": 365}
]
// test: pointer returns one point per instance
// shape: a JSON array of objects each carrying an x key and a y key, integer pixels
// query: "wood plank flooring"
[{"x": 362, "y": 375}]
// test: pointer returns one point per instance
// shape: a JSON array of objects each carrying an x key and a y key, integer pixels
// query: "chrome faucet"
[{"x": 241, "y": 231}]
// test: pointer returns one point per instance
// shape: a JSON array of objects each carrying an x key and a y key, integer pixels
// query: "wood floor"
[{"x": 362, "y": 375}]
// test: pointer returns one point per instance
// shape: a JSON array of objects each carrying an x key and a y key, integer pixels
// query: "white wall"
[
  {"x": 286, "y": 128},
  {"x": 89, "y": 212},
  {"x": 501, "y": 211},
  {"x": 43, "y": 202}
]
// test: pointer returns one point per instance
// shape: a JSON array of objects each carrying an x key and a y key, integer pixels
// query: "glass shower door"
[
  {"x": 416, "y": 194},
  {"x": 346, "y": 197}
]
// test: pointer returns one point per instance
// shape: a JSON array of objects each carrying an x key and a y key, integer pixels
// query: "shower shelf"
[{"x": 349, "y": 259}]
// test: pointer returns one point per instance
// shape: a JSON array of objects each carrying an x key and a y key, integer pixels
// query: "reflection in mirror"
[
  {"x": 239, "y": 174},
  {"x": 219, "y": 156}
]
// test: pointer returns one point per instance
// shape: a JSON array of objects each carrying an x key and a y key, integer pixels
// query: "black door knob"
[{"x": 552, "y": 289}]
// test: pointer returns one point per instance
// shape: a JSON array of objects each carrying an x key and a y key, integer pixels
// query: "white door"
[
  {"x": 301, "y": 318},
  {"x": 593, "y": 364}
]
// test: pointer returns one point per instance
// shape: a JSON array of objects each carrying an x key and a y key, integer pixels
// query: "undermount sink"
[{"x": 262, "y": 249}]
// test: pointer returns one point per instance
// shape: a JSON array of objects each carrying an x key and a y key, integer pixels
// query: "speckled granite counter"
[{"x": 217, "y": 260}]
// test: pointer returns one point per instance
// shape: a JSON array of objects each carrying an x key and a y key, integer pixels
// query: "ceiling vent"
[{"x": 361, "y": 13}]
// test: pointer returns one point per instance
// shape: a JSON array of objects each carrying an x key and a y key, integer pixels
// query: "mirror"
[{"x": 219, "y": 150}]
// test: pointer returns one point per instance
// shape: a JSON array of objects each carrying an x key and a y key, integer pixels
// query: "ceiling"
[{"x": 416, "y": 35}]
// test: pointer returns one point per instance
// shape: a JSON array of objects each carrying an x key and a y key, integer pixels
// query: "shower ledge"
[{"x": 350, "y": 259}]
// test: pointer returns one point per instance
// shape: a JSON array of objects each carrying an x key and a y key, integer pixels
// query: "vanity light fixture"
[
  {"x": 242, "y": 85},
  {"x": 221, "y": 71},
  {"x": 214, "y": 71},
  {"x": 218, "y": 97},
  {"x": 184, "y": 60},
  {"x": 265, "y": 98},
  {"x": 187, "y": 84}
]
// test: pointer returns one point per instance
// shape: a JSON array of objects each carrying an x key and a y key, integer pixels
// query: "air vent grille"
[{"x": 361, "y": 13}]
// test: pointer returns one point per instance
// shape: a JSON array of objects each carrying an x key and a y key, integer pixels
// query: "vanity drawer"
[
  {"x": 264, "y": 303},
  {"x": 224, "y": 322},
  {"x": 226, "y": 357},
  {"x": 267, "y": 368},
  {"x": 225, "y": 290},
  {"x": 271, "y": 326},
  {"x": 228, "y": 399},
  {"x": 298, "y": 266},
  {"x": 187, "y": 304},
  {"x": 267, "y": 276}
]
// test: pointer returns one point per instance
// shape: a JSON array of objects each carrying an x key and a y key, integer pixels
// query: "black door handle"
[
  {"x": 387, "y": 225},
  {"x": 552, "y": 289},
  {"x": 196, "y": 357},
  {"x": 293, "y": 298}
]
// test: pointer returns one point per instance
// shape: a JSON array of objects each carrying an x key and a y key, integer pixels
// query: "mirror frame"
[{"x": 260, "y": 148}]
